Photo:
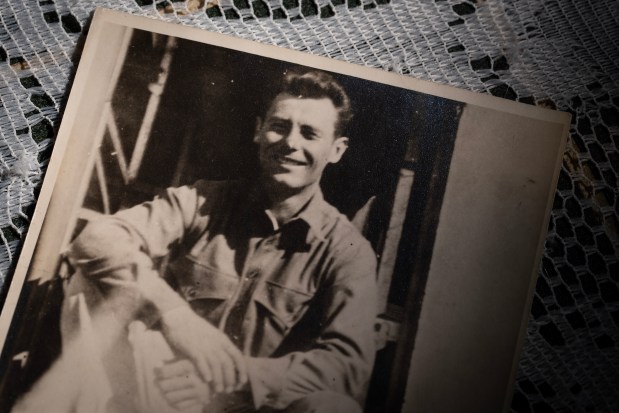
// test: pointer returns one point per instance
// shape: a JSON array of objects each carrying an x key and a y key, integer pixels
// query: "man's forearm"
[
  {"x": 277, "y": 382},
  {"x": 156, "y": 291}
]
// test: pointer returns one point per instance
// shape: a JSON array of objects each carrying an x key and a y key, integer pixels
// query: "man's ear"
[
  {"x": 337, "y": 149},
  {"x": 257, "y": 130}
]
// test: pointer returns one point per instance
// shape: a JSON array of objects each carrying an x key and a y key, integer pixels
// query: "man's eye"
[
  {"x": 309, "y": 133},
  {"x": 279, "y": 127}
]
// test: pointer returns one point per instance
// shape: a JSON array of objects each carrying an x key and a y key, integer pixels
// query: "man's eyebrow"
[{"x": 278, "y": 119}]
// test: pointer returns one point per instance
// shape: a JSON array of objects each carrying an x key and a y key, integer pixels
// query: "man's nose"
[{"x": 293, "y": 138}]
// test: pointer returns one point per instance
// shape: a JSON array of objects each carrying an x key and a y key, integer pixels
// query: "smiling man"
[{"x": 268, "y": 299}]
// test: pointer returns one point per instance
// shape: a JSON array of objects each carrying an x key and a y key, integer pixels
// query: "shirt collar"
[{"x": 312, "y": 213}]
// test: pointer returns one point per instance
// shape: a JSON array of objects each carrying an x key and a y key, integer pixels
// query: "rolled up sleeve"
[{"x": 113, "y": 250}]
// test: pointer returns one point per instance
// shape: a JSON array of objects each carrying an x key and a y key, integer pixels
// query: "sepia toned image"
[{"x": 228, "y": 227}]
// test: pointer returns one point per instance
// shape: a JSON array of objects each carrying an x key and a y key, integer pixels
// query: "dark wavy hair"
[{"x": 316, "y": 84}]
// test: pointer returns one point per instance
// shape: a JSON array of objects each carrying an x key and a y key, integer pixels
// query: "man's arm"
[
  {"x": 342, "y": 357},
  {"x": 116, "y": 254}
]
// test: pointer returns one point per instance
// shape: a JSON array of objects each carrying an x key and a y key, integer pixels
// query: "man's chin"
[{"x": 286, "y": 182}]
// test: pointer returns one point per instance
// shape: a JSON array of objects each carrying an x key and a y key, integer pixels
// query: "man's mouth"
[{"x": 286, "y": 160}]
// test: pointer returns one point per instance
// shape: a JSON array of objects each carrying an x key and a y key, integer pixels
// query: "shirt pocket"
[
  {"x": 206, "y": 288},
  {"x": 279, "y": 308}
]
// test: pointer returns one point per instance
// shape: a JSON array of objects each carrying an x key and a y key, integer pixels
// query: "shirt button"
[{"x": 253, "y": 274}]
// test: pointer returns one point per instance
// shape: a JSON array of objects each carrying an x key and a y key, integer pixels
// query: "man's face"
[{"x": 297, "y": 140}]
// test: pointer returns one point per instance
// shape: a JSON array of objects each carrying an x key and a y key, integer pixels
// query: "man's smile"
[{"x": 289, "y": 161}]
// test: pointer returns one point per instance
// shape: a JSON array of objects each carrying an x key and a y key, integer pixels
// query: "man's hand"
[
  {"x": 218, "y": 361},
  {"x": 181, "y": 386}
]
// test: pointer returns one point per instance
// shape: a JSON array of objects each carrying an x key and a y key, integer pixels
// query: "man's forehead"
[{"x": 286, "y": 105}]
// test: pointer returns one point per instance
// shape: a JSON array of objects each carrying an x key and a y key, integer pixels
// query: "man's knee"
[{"x": 324, "y": 402}]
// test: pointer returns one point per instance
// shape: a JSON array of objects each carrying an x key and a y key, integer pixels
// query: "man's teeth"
[{"x": 291, "y": 161}]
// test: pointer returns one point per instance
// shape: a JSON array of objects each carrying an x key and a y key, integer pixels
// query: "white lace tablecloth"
[{"x": 562, "y": 54}]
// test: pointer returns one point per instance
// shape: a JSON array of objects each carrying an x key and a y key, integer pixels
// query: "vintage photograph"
[{"x": 229, "y": 231}]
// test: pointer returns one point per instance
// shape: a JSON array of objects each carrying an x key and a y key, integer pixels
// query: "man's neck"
[{"x": 284, "y": 205}]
